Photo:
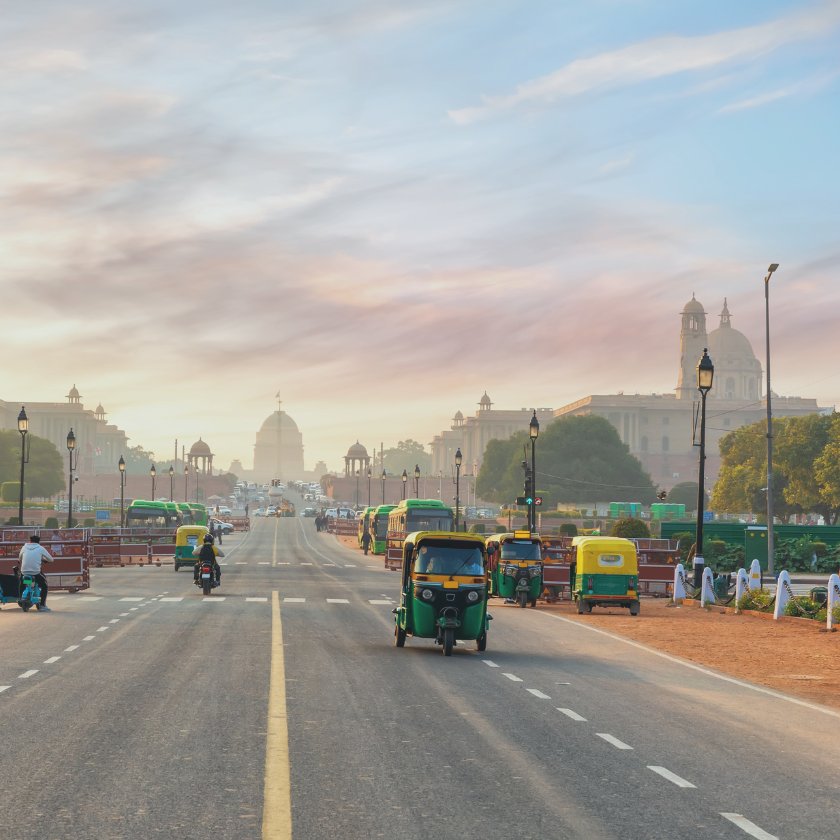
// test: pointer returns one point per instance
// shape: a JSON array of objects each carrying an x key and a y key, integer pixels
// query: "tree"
[
  {"x": 577, "y": 457},
  {"x": 45, "y": 470},
  {"x": 685, "y": 493},
  {"x": 405, "y": 456},
  {"x": 630, "y": 529},
  {"x": 827, "y": 470},
  {"x": 137, "y": 460}
]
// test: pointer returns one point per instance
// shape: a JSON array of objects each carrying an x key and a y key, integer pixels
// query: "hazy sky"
[{"x": 384, "y": 209}]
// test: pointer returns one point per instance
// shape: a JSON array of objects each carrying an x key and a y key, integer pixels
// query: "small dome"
[
  {"x": 99, "y": 409},
  {"x": 74, "y": 392},
  {"x": 200, "y": 448},
  {"x": 357, "y": 451},
  {"x": 485, "y": 400},
  {"x": 270, "y": 423},
  {"x": 693, "y": 305},
  {"x": 458, "y": 415}
]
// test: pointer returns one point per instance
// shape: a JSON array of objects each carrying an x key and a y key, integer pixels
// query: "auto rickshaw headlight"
[
  {"x": 472, "y": 595},
  {"x": 427, "y": 594}
]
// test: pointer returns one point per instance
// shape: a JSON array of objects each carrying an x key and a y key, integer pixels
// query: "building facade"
[{"x": 278, "y": 434}]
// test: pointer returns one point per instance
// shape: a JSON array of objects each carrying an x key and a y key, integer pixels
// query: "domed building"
[
  {"x": 278, "y": 434},
  {"x": 357, "y": 458},
  {"x": 200, "y": 454},
  {"x": 737, "y": 370}
]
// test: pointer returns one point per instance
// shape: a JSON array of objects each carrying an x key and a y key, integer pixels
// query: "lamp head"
[
  {"x": 458, "y": 457},
  {"x": 772, "y": 268},
  {"x": 369, "y": 473},
  {"x": 383, "y": 475},
  {"x": 534, "y": 428},
  {"x": 122, "y": 464},
  {"x": 404, "y": 476},
  {"x": 71, "y": 440},
  {"x": 153, "y": 471},
  {"x": 186, "y": 469},
  {"x": 417, "y": 471},
  {"x": 171, "y": 470},
  {"x": 23, "y": 421},
  {"x": 705, "y": 373}
]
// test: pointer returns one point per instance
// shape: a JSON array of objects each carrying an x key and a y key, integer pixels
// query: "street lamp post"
[
  {"x": 533, "y": 431},
  {"x": 705, "y": 377},
  {"x": 186, "y": 483},
  {"x": 457, "y": 487},
  {"x": 23, "y": 428},
  {"x": 122, "y": 491},
  {"x": 196, "y": 483},
  {"x": 357, "y": 488},
  {"x": 71, "y": 445},
  {"x": 770, "y": 548},
  {"x": 383, "y": 486},
  {"x": 405, "y": 479},
  {"x": 153, "y": 473},
  {"x": 171, "y": 483},
  {"x": 369, "y": 477},
  {"x": 416, "y": 481}
]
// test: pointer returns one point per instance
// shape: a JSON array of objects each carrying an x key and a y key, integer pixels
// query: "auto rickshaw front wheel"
[
  {"x": 399, "y": 636},
  {"x": 448, "y": 641},
  {"x": 481, "y": 642},
  {"x": 523, "y": 599}
]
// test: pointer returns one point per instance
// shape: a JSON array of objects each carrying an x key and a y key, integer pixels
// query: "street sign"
[
  {"x": 708, "y": 516},
  {"x": 103, "y": 515},
  {"x": 538, "y": 500}
]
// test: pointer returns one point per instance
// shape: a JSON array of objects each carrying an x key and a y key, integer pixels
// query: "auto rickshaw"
[
  {"x": 516, "y": 567},
  {"x": 604, "y": 572},
  {"x": 187, "y": 537},
  {"x": 444, "y": 591}
]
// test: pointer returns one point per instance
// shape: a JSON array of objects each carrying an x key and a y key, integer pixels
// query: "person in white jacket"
[{"x": 31, "y": 557}]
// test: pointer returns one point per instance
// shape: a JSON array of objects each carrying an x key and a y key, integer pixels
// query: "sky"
[{"x": 383, "y": 209}]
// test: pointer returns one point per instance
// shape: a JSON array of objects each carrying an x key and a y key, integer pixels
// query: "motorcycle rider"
[{"x": 207, "y": 553}]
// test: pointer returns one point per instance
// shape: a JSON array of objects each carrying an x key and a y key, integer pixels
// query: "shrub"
[
  {"x": 89, "y": 522},
  {"x": 606, "y": 528},
  {"x": 568, "y": 529},
  {"x": 756, "y": 599},
  {"x": 630, "y": 529},
  {"x": 820, "y": 549},
  {"x": 802, "y": 607},
  {"x": 13, "y": 520},
  {"x": 501, "y": 529},
  {"x": 51, "y": 522},
  {"x": 477, "y": 528},
  {"x": 588, "y": 523},
  {"x": 10, "y": 491},
  {"x": 715, "y": 548}
]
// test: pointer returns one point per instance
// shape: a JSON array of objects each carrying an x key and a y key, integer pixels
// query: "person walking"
[
  {"x": 367, "y": 539},
  {"x": 317, "y": 523},
  {"x": 31, "y": 557},
  {"x": 219, "y": 532}
]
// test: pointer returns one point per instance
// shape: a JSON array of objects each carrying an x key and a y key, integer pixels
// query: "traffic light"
[{"x": 537, "y": 500}]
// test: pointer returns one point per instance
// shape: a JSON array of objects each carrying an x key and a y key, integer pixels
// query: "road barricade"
[
  {"x": 68, "y": 548},
  {"x": 240, "y": 523},
  {"x": 342, "y": 527},
  {"x": 131, "y": 547},
  {"x": 394, "y": 550}
]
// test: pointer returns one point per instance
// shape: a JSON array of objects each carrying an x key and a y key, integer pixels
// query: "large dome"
[
  {"x": 200, "y": 448},
  {"x": 693, "y": 305},
  {"x": 727, "y": 343},
  {"x": 270, "y": 423},
  {"x": 357, "y": 450}
]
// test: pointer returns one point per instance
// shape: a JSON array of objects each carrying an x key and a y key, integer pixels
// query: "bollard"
[
  {"x": 755, "y": 575},
  {"x": 782, "y": 593},
  {"x": 707, "y": 592},
  {"x": 679, "y": 576},
  {"x": 742, "y": 585},
  {"x": 833, "y": 599}
]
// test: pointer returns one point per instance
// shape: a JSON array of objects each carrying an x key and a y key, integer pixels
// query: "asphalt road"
[{"x": 153, "y": 720}]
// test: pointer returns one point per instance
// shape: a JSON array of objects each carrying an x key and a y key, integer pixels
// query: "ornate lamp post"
[
  {"x": 23, "y": 428},
  {"x": 405, "y": 479},
  {"x": 71, "y": 445},
  {"x": 153, "y": 473},
  {"x": 196, "y": 483},
  {"x": 705, "y": 377},
  {"x": 770, "y": 548},
  {"x": 416, "y": 481},
  {"x": 458, "y": 459},
  {"x": 122, "y": 491},
  {"x": 186, "y": 483},
  {"x": 533, "y": 431},
  {"x": 357, "y": 487},
  {"x": 369, "y": 475},
  {"x": 171, "y": 484},
  {"x": 383, "y": 486}
]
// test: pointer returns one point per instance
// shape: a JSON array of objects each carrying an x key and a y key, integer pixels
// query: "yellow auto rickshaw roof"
[
  {"x": 416, "y": 536},
  {"x": 189, "y": 531},
  {"x": 588, "y": 549}
]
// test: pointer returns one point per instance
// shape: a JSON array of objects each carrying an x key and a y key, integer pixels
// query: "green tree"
[
  {"x": 576, "y": 457},
  {"x": 10, "y": 491},
  {"x": 685, "y": 493},
  {"x": 630, "y": 529},
  {"x": 138, "y": 461},
  {"x": 827, "y": 471},
  {"x": 404, "y": 456},
  {"x": 45, "y": 470}
]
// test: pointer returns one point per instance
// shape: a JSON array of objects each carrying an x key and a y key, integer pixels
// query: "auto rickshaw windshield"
[
  {"x": 520, "y": 551},
  {"x": 436, "y": 557}
]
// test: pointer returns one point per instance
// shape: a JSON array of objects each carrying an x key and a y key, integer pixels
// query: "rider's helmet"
[{"x": 208, "y": 538}]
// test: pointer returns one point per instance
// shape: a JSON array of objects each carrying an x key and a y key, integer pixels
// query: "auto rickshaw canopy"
[
  {"x": 191, "y": 535},
  {"x": 605, "y": 555}
]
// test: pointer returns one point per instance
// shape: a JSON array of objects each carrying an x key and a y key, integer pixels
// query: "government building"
[{"x": 657, "y": 428}]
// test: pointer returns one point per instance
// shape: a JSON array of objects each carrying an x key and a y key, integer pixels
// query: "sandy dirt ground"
[{"x": 793, "y": 657}]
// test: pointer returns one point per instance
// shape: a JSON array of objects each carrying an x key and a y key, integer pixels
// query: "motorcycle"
[
  {"x": 30, "y": 593},
  {"x": 206, "y": 578}
]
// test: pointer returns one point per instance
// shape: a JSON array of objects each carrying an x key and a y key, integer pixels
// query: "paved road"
[{"x": 153, "y": 720}]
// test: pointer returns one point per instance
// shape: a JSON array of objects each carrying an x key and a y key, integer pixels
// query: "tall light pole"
[
  {"x": 770, "y": 547},
  {"x": 23, "y": 428},
  {"x": 416, "y": 481},
  {"x": 196, "y": 482},
  {"x": 122, "y": 491},
  {"x": 404, "y": 479},
  {"x": 357, "y": 487},
  {"x": 153, "y": 473},
  {"x": 383, "y": 486},
  {"x": 440, "y": 485},
  {"x": 186, "y": 483},
  {"x": 171, "y": 483},
  {"x": 369, "y": 477},
  {"x": 458, "y": 459},
  {"x": 71, "y": 445},
  {"x": 705, "y": 377},
  {"x": 533, "y": 431}
]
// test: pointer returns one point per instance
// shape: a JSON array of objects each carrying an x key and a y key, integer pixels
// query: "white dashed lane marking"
[
  {"x": 738, "y": 819},
  {"x": 305, "y": 564},
  {"x": 131, "y": 599},
  {"x": 171, "y": 599},
  {"x": 571, "y": 714},
  {"x": 4, "y": 688},
  {"x": 26, "y": 675},
  {"x": 113, "y": 621},
  {"x": 264, "y": 563},
  {"x": 611, "y": 739},
  {"x": 88, "y": 638},
  {"x": 337, "y": 601},
  {"x": 51, "y": 660},
  {"x": 671, "y": 777},
  {"x": 71, "y": 648},
  {"x": 256, "y": 599},
  {"x": 512, "y": 677},
  {"x": 212, "y": 600},
  {"x": 490, "y": 663},
  {"x": 101, "y": 629},
  {"x": 375, "y": 601},
  {"x": 537, "y": 693},
  {"x": 349, "y": 566}
]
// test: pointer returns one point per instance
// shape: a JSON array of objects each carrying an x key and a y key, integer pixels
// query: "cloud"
[
  {"x": 661, "y": 57},
  {"x": 616, "y": 165}
]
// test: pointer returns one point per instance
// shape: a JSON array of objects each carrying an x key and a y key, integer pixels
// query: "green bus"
[
  {"x": 378, "y": 527},
  {"x": 198, "y": 513},
  {"x": 364, "y": 521},
  {"x": 142, "y": 514},
  {"x": 412, "y": 515}
]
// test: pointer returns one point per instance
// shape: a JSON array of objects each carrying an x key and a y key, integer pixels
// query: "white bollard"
[
  {"x": 679, "y": 576},
  {"x": 707, "y": 592},
  {"x": 742, "y": 585},
  {"x": 755, "y": 575},
  {"x": 833, "y": 599},
  {"x": 782, "y": 593}
]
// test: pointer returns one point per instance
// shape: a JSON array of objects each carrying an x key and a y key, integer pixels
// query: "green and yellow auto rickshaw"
[
  {"x": 444, "y": 591},
  {"x": 516, "y": 567},
  {"x": 604, "y": 572},
  {"x": 187, "y": 537}
]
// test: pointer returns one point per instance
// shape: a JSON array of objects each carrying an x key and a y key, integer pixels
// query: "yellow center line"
[{"x": 277, "y": 800}]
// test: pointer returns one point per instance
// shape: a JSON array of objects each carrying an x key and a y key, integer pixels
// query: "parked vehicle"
[
  {"x": 364, "y": 522},
  {"x": 516, "y": 567},
  {"x": 604, "y": 572},
  {"x": 142, "y": 514},
  {"x": 444, "y": 593},
  {"x": 272, "y": 511},
  {"x": 259, "y": 512},
  {"x": 227, "y": 527}
]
